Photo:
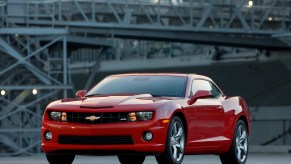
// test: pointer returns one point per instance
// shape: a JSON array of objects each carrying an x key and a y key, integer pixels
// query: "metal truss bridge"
[
  {"x": 227, "y": 22},
  {"x": 38, "y": 37}
]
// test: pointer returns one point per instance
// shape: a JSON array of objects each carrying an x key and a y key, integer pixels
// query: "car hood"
[{"x": 111, "y": 101}]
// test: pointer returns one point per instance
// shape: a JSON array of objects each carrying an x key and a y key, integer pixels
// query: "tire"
[
  {"x": 60, "y": 159},
  {"x": 238, "y": 151},
  {"x": 130, "y": 159},
  {"x": 175, "y": 143}
]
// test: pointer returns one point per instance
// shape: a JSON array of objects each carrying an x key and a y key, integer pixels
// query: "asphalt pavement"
[{"x": 254, "y": 158}]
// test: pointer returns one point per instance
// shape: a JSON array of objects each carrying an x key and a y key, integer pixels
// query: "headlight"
[
  {"x": 140, "y": 116},
  {"x": 144, "y": 116},
  {"x": 58, "y": 116}
]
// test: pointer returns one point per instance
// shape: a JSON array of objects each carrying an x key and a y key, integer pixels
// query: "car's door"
[{"x": 206, "y": 117}]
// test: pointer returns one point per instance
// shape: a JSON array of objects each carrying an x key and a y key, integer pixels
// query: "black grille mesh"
[
  {"x": 95, "y": 140},
  {"x": 100, "y": 118}
]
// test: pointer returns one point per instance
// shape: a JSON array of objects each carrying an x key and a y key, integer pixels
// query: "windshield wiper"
[
  {"x": 92, "y": 95},
  {"x": 156, "y": 95}
]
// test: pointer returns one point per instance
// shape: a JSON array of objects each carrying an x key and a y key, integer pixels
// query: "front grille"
[
  {"x": 98, "y": 118},
  {"x": 95, "y": 140}
]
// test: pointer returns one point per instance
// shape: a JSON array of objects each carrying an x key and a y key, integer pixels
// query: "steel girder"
[
  {"x": 229, "y": 18},
  {"x": 26, "y": 64}
]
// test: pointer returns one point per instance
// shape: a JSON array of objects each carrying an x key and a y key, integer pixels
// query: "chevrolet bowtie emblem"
[{"x": 92, "y": 118}]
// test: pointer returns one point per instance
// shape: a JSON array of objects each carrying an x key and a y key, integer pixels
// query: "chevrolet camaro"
[{"x": 167, "y": 115}]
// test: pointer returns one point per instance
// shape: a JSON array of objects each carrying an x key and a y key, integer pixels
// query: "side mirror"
[
  {"x": 198, "y": 95},
  {"x": 81, "y": 93}
]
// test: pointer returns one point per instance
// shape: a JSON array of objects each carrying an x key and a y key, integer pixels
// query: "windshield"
[{"x": 168, "y": 86}]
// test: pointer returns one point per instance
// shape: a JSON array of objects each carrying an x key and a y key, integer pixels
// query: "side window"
[
  {"x": 214, "y": 91},
  {"x": 200, "y": 85},
  {"x": 205, "y": 85}
]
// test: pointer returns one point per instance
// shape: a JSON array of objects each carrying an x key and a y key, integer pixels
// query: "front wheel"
[
  {"x": 175, "y": 144},
  {"x": 60, "y": 159},
  {"x": 130, "y": 159},
  {"x": 238, "y": 151}
]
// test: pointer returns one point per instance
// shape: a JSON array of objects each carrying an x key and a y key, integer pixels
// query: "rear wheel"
[
  {"x": 60, "y": 159},
  {"x": 238, "y": 151},
  {"x": 174, "y": 152},
  {"x": 130, "y": 159}
]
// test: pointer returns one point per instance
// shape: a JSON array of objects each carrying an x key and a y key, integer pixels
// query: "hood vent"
[{"x": 95, "y": 107}]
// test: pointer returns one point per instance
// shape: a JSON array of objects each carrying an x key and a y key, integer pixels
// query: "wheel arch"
[
  {"x": 183, "y": 119},
  {"x": 245, "y": 120}
]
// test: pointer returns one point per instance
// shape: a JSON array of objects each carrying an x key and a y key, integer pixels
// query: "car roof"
[{"x": 195, "y": 76}]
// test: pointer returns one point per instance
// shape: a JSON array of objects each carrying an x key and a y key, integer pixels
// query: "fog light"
[
  {"x": 48, "y": 136},
  {"x": 147, "y": 136}
]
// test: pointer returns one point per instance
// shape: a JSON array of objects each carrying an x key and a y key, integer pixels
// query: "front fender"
[
  {"x": 170, "y": 108},
  {"x": 235, "y": 109}
]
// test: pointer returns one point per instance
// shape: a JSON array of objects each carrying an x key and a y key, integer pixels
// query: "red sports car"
[{"x": 134, "y": 115}]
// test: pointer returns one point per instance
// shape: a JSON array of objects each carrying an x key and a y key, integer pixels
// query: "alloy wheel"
[
  {"x": 177, "y": 141},
  {"x": 241, "y": 143}
]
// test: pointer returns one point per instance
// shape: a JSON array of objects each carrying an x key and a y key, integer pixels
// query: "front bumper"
[{"x": 133, "y": 129}]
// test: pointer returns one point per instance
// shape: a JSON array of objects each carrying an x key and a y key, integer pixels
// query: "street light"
[
  {"x": 34, "y": 91},
  {"x": 3, "y": 93},
  {"x": 251, "y": 3}
]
